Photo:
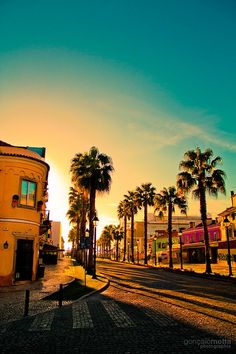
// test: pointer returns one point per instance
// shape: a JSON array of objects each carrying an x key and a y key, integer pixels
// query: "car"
[{"x": 162, "y": 256}]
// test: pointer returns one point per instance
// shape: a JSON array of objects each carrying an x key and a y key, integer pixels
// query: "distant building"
[
  {"x": 56, "y": 237},
  {"x": 56, "y": 233},
  {"x": 23, "y": 214},
  {"x": 193, "y": 244},
  {"x": 157, "y": 236},
  {"x": 230, "y": 214}
]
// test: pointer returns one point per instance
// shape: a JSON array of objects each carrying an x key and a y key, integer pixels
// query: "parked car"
[{"x": 162, "y": 256}]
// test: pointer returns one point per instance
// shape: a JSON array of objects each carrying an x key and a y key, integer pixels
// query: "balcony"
[{"x": 45, "y": 223}]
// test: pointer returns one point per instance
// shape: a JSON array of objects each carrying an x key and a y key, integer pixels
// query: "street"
[{"x": 144, "y": 310}]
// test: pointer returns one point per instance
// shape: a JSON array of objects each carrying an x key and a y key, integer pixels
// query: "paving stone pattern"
[{"x": 140, "y": 313}]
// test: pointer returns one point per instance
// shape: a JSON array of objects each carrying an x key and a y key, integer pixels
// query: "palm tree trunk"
[
  {"x": 92, "y": 209},
  {"x": 203, "y": 212},
  {"x": 145, "y": 233},
  {"x": 117, "y": 250},
  {"x": 125, "y": 227},
  {"x": 132, "y": 236},
  {"x": 170, "y": 234}
]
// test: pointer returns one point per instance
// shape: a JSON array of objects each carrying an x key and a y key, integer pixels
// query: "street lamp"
[
  {"x": 138, "y": 251},
  {"x": 87, "y": 240},
  {"x": 181, "y": 250},
  {"x": 155, "y": 249},
  {"x": 95, "y": 222},
  {"x": 128, "y": 251},
  {"x": 226, "y": 223}
]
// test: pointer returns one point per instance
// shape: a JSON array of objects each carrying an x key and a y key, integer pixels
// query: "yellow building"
[
  {"x": 23, "y": 194},
  {"x": 228, "y": 230}
]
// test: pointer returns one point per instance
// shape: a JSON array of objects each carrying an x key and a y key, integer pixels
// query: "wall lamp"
[
  {"x": 5, "y": 245},
  {"x": 14, "y": 201}
]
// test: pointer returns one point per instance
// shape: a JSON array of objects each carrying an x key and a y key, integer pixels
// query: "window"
[{"x": 28, "y": 193}]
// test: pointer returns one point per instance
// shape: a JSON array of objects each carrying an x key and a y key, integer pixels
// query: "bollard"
[
  {"x": 60, "y": 295},
  {"x": 27, "y": 297}
]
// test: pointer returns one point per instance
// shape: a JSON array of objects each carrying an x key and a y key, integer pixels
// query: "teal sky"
[{"x": 144, "y": 81}]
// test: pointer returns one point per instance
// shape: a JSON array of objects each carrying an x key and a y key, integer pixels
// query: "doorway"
[{"x": 24, "y": 260}]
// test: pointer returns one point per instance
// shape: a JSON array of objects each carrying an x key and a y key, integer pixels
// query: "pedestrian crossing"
[
  {"x": 81, "y": 315},
  {"x": 120, "y": 318},
  {"x": 42, "y": 322},
  {"x": 84, "y": 316}
]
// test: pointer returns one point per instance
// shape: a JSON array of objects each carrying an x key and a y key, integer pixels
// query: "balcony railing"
[{"x": 45, "y": 223}]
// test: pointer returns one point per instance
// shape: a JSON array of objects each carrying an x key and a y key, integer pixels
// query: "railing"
[{"x": 45, "y": 223}]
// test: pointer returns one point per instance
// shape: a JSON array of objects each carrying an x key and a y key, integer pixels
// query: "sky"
[{"x": 142, "y": 80}]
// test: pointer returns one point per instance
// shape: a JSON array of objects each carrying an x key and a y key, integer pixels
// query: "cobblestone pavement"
[
  {"x": 12, "y": 298},
  {"x": 143, "y": 311}
]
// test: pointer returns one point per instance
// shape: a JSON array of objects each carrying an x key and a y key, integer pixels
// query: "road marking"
[
  {"x": 81, "y": 315},
  {"x": 42, "y": 322},
  {"x": 120, "y": 318},
  {"x": 160, "y": 319}
]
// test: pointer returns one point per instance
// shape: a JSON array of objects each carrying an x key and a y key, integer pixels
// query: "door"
[{"x": 24, "y": 260}]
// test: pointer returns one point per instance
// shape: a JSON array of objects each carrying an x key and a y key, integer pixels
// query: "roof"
[
  {"x": 228, "y": 211},
  {"x": 2, "y": 143},
  {"x": 22, "y": 151}
]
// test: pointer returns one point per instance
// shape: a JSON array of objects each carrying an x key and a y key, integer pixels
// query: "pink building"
[{"x": 193, "y": 242}]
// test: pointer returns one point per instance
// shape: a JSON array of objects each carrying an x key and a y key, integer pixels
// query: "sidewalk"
[
  {"x": 220, "y": 268},
  {"x": 12, "y": 298}
]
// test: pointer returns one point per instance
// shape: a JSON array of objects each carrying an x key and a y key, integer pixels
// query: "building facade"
[
  {"x": 222, "y": 238},
  {"x": 23, "y": 215},
  {"x": 193, "y": 246},
  {"x": 157, "y": 235},
  {"x": 228, "y": 230}
]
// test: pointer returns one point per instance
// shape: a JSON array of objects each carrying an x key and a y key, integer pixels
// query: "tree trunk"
[
  {"x": 132, "y": 236},
  {"x": 145, "y": 233},
  {"x": 170, "y": 234},
  {"x": 92, "y": 210},
  {"x": 117, "y": 250},
  {"x": 125, "y": 227},
  {"x": 203, "y": 212}
]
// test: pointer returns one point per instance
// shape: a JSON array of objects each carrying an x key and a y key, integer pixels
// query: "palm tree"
[
  {"x": 201, "y": 175},
  {"x": 78, "y": 207},
  {"x": 123, "y": 212},
  {"x": 105, "y": 239},
  {"x": 74, "y": 215},
  {"x": 117, "y": 234},
  {"x": 131, "y": 205},
  {"x": 92, "y": 171},
  {"x": 165, "y": 201},
  {"x": 72, "y": 238},
  {"x": 145, "y": 196}
]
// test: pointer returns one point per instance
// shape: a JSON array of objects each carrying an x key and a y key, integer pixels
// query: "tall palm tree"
[
  {"x": 200, "y": 175},
  {"x": 105, "y": 239},
  {"x": 145, "y": 197},
  {"x": 131, "y": 205},
  {"x": 72, "y": 238},
  {"x": 74, "y": 215},
  {"x": 165, "y": 201},
  {"x": 92, "y": 171},
  {"x": 117, "y": 234},
  {"x": 78, "y": 205},
  {"x": 123, "y": 212}
]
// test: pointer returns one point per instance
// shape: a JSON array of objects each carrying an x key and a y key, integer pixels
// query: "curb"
[{"x": 106, "y": 285}]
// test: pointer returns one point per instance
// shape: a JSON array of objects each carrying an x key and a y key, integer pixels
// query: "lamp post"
[
  {"x": 138, "y": 251},
  {"x": 181, "y": 250},
  {"x": 95, "y": 222},
  {"x": 155, "y": 249},
  {"x": 87, "y": 239},
  {"x": 226, "y": 223}
]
